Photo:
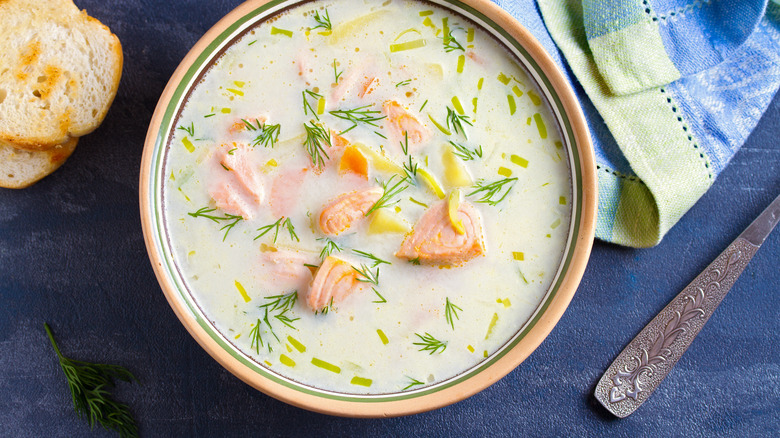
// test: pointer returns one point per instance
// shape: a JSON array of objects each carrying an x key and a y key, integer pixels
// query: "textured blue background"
[{"x": 72, "y": 254}]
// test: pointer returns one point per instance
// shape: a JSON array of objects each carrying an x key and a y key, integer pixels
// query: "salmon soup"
[{"x": 367, "y": 197}]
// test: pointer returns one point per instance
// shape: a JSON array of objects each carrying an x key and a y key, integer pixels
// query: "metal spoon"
[{"x": 645, "y": 362}]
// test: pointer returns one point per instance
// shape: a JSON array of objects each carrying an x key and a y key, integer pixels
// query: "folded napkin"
[{"x": 670, "y": 88}]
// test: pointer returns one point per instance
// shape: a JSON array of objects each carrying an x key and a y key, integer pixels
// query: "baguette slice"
[
  {"x": 59, "y": 73},
  {"x": 20, "y": 168}
]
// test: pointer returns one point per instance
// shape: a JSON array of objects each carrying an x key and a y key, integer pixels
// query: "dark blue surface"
[{"x": 72, "y": 254}]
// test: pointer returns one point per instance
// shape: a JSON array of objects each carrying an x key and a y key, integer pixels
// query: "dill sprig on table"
[
  {"x": 90, "y": 386},
  {"x": 358, "y": 115},
  {"x": 430, "y": 344},
  {"x": 493, "y": 190},
  {"x": 233, "y": 219}
]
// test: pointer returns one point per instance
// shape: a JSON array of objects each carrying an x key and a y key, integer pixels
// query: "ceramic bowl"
[{"x": 529, "y": 335}]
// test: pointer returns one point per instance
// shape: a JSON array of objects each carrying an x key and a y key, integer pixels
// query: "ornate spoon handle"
[{"x": 645, "y": 362}]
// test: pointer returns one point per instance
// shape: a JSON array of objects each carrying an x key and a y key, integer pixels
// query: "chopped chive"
[
  {"x": 236, "y": 92},
  {"x": 540, "y": 126},
  {"x": 504, "y": 79},
  {"x": 252, "y": 43},
  {"x": 555, "y": 224},
  {"x": 425, "y": 13},
  {"x": 325, "y": 365},
  {"x": 243, "y": 293},
  {"x": 380, "y": 134},
  {"x": 492, "y": 324},
  {"x": 209, "y": 115},
  {"x": 360, "y": 381},
  {"x": 519, "y": 256},
  {"x": 286, "y": 361},
  {"x": 534, "y": 98},
  {"x": 409, "y": 45},
  {"x": 188, "y": 144},
  {"x": 520, "y": 161},
  {"x": 295, "y": 343},
  {"x": 562, "y": 200},
  {"x": 457, "y": 105},
  {"x": 512, "y": 106},
  {"x": 461, "y": 63},
  {"x": 276, "y": 31},
  {"x": 423, "y": 105},
  {"x": 382, "y": 336},
  {"x": 470, "y": 35},
  {"x": 517, "y": 91}
]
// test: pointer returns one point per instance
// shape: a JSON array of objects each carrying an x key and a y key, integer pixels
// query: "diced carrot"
[{"x": 353, "y": 161}]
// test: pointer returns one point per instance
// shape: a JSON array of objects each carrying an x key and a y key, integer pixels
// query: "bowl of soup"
[{"x": 368, "y": 207}]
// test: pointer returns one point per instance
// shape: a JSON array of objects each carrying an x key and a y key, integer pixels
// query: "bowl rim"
[{"x": 564, "y": 104}]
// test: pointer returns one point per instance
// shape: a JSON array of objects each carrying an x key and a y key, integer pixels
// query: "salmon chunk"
[
  {"x": 435, "y": 241},
  {"x": 403, "y": 122},
  {"x": 334, "y": 281},
  {"x": 347, "y": 209},
  {"x": 284, "y": 270},
  {"x": 237, "y": 187}
]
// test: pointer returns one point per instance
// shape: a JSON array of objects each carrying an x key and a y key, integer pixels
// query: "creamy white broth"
[{"x": 259, "y": 75}]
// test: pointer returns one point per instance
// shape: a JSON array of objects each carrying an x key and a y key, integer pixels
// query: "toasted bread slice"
[
  {"x": 20, "y": 168},
  {"x": 59, "y": 72}
]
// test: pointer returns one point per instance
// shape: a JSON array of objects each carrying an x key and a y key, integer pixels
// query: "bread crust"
[
  {"x": 21, "y": 168},
  {"x": 59, "y": 73}
]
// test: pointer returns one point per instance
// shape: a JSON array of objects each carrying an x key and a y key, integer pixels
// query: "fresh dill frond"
[
  {"x": 282, "y": 302},
  {"x": 290, "y": 229},
  {"x": 307, "y": 107},
  {"x": 492, "y": 190},
  {"x": 464, "y": 153},
  {"x": 415, "y": 261},
  {"x": 410, "y": 168},
  {"x": 256, "y": 337},
  {"x": 382, "y": 299},
  {"x": 390, "y": 192},
  {"x": 429, "y": 343},
  {"x": 412, "y": 382},
  {"x": 269, "y": 134},
  {"x": 336, "y": 73},
  {"x": 451, "y": 44},
  {"x": 316, "y": 139},
  {"x": 90, "y": 386},
  {"x": 405, "y": 143},
  {"x": 326, "y": 309},
  {"x": 376, "y": 260},
  {"x": 322, "y": 22},
  {"x": 281, "y": 222},
  {"x": 450, "y": 310},
  {"x": 403, "y": 83},
  {"x": 286, "y": 320},
  {"x": 455, "y": 122},
  {"x": 329, "y": 248},
  {"x": 188, "y": 129},
  {"x": 358, "y": 115},
  {"x": 367, "y": 275},
  {"x": 204, "y": 212}
]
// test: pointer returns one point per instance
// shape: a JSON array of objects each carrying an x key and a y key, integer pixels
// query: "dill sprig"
[
  {"x": 429, "y": 343},
  {"x": 326, "y": 309},
  {"x": 493, "y": 190},
  {"x": 455, "y": 122},
  {"x": 281, "y": 222},
  {"x": 256, "y": 337},
  {"x": 283, "y": 302},
  {"x": 358, "y": 115},
  {"x": 410, "y": 168},
  {"x": 90, "y": 386},
  {"x": 390, "y": 192},
  {"x": 204, "y": 212},
  {"x": 376, "y": 260},
  {"x": 412, "y": 382},
  {"x": 329, "y": 248},
  {"x": 336, "y": 73},
  {"x": 307, "y": 106},
  {"x": 465, "y": 153},
  {"x": 367, "y": 275},
  {"x": 268, "y": 133},
  {"x": 383, "y": 300},
  {"x": 415, "y": 261},
  {"x": 322, "y": 22},
  {"x": 189, "y": 130},
  {"x": 316, "y": 138},
  {"x": 450, "y": 310},
  {"x": 451, "y": 44},
  {"x": 405, "y": 143}
]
